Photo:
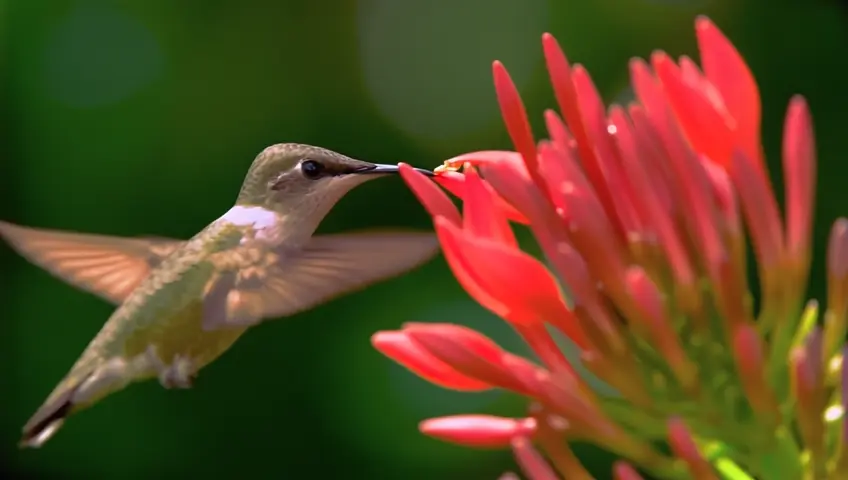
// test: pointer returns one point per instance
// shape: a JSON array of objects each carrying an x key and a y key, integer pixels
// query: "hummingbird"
[{"x": 182, "y": 303}]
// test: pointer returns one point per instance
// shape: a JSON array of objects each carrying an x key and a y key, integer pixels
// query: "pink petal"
[
  {"x": 655, "y": 319},
  {"x": 708, "y": 130},
  {"x": 454, "y": 182},
  {"x": 526, "y": 290},
  {"x": 569, "y": 104},
  {"x": 515, "y": 117},
  {"x": 728, "y": 72},
  {"x": 621, "y": 216},
  {"x": 478, "y": 430},
  {"x": 399, "y": 347},
  {"x": 481, "y": 217},
  {"x": 429, "y": 194},
  {"x": 465, "y": 272},
  {"x": 750, "y": 361},
  {"x": 647, "y": 201}
]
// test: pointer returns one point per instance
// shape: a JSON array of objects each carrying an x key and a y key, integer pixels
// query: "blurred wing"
[
  {"x": 329, "y": 266},
  {"x": 109, "y": 267}
]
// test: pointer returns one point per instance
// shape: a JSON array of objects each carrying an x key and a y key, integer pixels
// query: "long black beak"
[{"x": 381, "y": 168}]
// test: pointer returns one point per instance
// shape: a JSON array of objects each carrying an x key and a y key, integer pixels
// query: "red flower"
[{"x": 643, "y": 212}]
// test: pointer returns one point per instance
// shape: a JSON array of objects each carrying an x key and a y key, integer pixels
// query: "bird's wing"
[
  {"x": 329, "y": 266},
  {"x": 109, "y": 267}
]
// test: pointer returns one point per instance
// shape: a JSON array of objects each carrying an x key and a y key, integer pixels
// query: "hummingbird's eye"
[{"x": 311, "y": 168}]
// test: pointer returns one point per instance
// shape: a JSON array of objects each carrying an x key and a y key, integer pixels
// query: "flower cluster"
[{"x": 644, "y": 213}]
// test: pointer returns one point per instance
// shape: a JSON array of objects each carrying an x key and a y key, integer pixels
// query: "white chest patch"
[{"x": 256, "y": 217}]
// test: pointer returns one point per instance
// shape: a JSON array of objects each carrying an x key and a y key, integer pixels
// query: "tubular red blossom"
[
  {"x": 653, "y": 157},
  {"x": 466, "y": 273},
  {"x": 569, "y": 104},
  {"x": 727, "y": 71},
  {"x": 652, "y": 314},
  {"x": 560, "y": 170},
  {"x": 478, "y": 430},
  {"x": 526, "y": 291},
  {"x": 531, "y": 461},
  {"x": 725, "y": 197},
  {"x": 799, "y": 166},
  {"x": 623, "y": 218},
  {"x": 761, "y": 210},
  {"x": 684, "y": 447},
  {"x": 594, "y": 238},
  {"x": 761, "y": 213},
  {"x": 559, "y": 133},
  {"x": 537, "y": 337},
  {"x": 748, "y": 351},
  {"x": 731, "y": 223},
  {"x": 564, "y": 174},
  {"x": 624, "y": 471},
  {"x": 646, "y": 199},
  {"x": 515, "y": 117},
  {"x": 706, "y": 125},
  {"x": 506, "y": 172},
  {"x": 400, "y": 348},
  {"x": 468, "y": 352},
  {"x": 643, "y": 214},
  {"x": 690, "y": 180},
  {"x": 480, "y": 216}
]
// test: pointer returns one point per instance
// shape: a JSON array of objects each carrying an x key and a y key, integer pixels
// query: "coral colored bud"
[
  {"x": 652, "y": 312},
  {"x": 400, "y": 348},
  {"x": 478, "y": 430},
  {"x": 799, "y": 167},
  {"x": 465, "y": 351},
  {"x": 748, "y": 352}
]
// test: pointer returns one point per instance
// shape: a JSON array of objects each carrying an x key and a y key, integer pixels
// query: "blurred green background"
[{"x": 141, "y": 117}]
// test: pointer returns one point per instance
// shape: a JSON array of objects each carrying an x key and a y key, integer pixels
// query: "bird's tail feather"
[{"x": 52, "y": 414}]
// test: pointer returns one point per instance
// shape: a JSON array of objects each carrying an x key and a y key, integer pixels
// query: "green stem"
[
  {"x": 718, "y": 454},
  {"x": 729, "y": 470},
  {"x": 783, "y": 461}
]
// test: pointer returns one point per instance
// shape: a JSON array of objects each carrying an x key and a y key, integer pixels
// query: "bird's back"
[{"x": 166, "y": 307}]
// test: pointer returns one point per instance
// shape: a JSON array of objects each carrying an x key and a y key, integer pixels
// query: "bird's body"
[{"x": 181, "y": 304}]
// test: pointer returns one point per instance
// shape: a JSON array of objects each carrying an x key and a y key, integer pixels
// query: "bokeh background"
[{"x": 141, "y": 117}]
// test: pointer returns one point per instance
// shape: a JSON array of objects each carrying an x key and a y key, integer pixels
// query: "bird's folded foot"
[{"x": 179, "y": 374}]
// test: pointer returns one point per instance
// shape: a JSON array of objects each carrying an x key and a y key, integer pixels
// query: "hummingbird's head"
[{"x": 290, "y": 176}]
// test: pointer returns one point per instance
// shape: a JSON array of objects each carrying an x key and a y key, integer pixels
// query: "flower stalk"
[{"x": 644, "y": 213}]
